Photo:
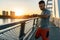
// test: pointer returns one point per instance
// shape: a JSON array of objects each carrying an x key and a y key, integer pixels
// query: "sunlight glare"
[{"x": 19, "y": 12}]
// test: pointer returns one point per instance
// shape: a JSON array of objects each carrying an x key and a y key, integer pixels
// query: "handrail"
[
  {"x": 7, "y": 29},
  {"x": 10, "y": 26}
]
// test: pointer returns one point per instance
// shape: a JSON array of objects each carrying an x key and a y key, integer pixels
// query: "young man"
[{"x": 43, "y": 31}]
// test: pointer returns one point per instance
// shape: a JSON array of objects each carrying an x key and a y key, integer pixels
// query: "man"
[{"x": 43, "y": 31}]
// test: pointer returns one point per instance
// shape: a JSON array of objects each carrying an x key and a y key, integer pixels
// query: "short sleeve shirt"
[{"x": 45, "y": 21}]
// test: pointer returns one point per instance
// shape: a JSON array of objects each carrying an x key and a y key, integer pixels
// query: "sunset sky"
[{"x": 25, "y": 6}]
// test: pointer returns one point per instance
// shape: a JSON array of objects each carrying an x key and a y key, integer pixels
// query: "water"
[{"x": 6, "y": 21}]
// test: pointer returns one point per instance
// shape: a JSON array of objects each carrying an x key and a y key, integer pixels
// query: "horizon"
[{"x": 25, "y": 7}]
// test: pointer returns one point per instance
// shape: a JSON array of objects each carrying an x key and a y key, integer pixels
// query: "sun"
[{"x": 19, "y": 12}]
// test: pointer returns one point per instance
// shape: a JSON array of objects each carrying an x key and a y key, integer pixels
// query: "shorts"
[{"x": 44, "y": 33}]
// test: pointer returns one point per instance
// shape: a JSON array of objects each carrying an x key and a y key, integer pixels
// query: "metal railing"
[{"x": 18, "y": 30}]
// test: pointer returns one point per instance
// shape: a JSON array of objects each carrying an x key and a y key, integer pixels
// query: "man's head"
[{"x": 42, "y": 5}]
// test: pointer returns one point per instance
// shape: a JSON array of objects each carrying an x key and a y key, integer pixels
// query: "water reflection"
[
  {"x": 12, "y": 20},
  {"x": 6, "y": 21}
]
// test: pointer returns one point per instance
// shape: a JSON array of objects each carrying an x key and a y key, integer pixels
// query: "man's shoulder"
[{"x": 47, "y": 12}]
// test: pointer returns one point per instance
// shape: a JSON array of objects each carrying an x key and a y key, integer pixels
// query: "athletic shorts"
[{"x": 44, "y": 33}]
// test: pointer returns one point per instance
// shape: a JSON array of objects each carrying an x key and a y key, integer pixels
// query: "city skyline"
[{"x": 24, "y": 6}]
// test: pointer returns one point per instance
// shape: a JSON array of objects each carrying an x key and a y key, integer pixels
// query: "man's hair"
[{"x": 40, "y": 2}]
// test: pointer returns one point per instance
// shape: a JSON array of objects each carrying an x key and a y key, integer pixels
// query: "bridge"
[{"x": 25, "y": 29}]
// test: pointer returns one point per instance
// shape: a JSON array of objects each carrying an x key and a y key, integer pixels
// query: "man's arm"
[{"x": 43, "y": 16}]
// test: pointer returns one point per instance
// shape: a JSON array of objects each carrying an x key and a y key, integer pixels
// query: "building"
[
  {"x": 12, "y": 13},
  {"x": 5, "y": 13}
]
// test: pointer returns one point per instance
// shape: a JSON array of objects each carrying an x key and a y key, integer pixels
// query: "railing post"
[
  {"x": 37, "y": 23},
  {"x": 22, "y": 30},
  {"x": 33, "y": 24}
]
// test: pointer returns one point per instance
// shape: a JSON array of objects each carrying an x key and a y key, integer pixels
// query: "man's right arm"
[{"x": 43, "y": 16}]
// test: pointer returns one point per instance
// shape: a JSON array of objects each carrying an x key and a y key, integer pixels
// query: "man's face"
[{"x": 42, "y": 6}]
